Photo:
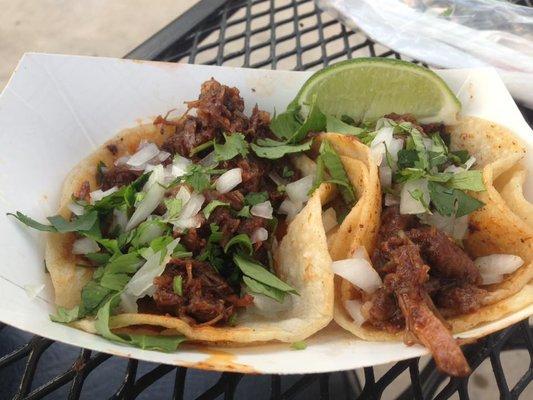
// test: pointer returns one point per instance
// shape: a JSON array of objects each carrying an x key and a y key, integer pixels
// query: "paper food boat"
[{"x": 56, "y": 109}]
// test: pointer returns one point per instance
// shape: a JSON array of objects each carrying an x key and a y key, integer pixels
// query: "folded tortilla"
[
  {"x": 502, "y": 226},
  {"x": 301, "y": 259}
]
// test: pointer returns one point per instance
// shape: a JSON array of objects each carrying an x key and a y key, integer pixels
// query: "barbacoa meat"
[
  {"x": 118, "y": 176},
  {"x": 206, "y": 299},
  {"x": 426, "y": 276}
]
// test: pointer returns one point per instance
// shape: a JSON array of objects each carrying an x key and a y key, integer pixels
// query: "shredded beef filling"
[
  {"x": 118, "y": 176},
  {"x": 426, "y": 277}
]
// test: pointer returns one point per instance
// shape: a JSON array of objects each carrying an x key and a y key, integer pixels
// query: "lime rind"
[{"x": 447, "y": 110}]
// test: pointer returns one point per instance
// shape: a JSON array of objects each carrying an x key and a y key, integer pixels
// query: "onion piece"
[
  {"x": 121, "y": 160},
  {"x": 383, "y": 135},
  {"x": 154, "y": 195},
  {"x": 120, "y": 220},
  {"x": 228, "y": 180},
  {"x": 32, "y": 291},
  {"x": 290, "y": 208},
  {"x": 278, "y": 180},
  {"x": 84, "y": 246},
  {"x": 181, "y": 164},
  {"x": 298, "y": 191},
  {"x": 128, "y": 303},
  {"x": 143, "y": 155},
  {"x": 98, "y": 195},
  {"x": 428, "y": 143},
  {"x": 259, "y": 235},
  {"x": 378, "y": 153},
  {"x": 471, "y": 161},
  {"x": 391, "y": 200},
  {"x": 359, "y": 272},
  {"x": 408, "y": 204},
  {"x": 395, "y": 146},
  {"x": 183, "y": 194},
  {"x": 493, "y": 267},
  {"x": 354, "y": 309},
  {"x": 329, "y": 219},
  {"x": 209, "y": 160},
  {"x": 188, "y": 217},
  {"x": 263, "y": 210},
  {"x": 162, "y": 156},
  {"x": 142, "y": 282},
  {"x": 75, "y": 208},
  {"x": 385, "y": 176},
  {"x": 455, "y": 227}
]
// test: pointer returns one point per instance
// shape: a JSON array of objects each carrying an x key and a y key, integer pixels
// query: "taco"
[
  {"x": 210, "y": 227},
  {"x": 448, "y": 248}
]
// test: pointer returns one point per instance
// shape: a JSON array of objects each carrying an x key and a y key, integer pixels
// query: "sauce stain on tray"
[{"x": 219, "y": 360}]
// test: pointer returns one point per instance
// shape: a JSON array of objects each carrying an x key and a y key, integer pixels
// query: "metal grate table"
[{"x": 284, "y": 34}]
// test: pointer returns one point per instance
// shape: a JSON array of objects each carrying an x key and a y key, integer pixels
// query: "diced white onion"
[
  {"x": 395, "y": 146},
  {"x": 359, "y": 272},
  {"x": 183, "y": 194},
  {"x": 454, "y": 169},
  {"x": 143, "y": 155},
  {"x": 378, "y": 153},
  {"x": 181, "y": 164},
  {"x": 391, "y": 200},
  {"x": 383, "y": 135},
  {"x": 408, "y": 204},
  {"x": 360, "y": 252},
  {"x": 84, "y": 246},
  {"x": 120, "y": 220},
  {"x": 142, "y": 282},
  {"x": 298, "y": 191},
  {"x": 385, "y": 175},
  {"x": 128, "y": 303},
  {"x": 33, "y": 290},
  {"x": 455, "y": 227},
  {"x": 121, "y": 160},
  {"x": 209, "y": 160},
  {"x": 354, "y": 309},
  {"x": 278, "y": 180},
  {"x": 471, "y": 161},
  {"x": 329, "y": 219},
  {"x": 154, "y": 195},
  {"x": 489, "y": 279},
  {"x": 98, "y": 195},
  {"x": 75, "y": 208},
  {"x": 263, "y": 210},
  {"x": 290, "y": 208},
  {"x": 162, "y": 156},
  {"x": 428, "y": 143},
  {"x": 229, "y": 180},
  {"x": 496, "y": 265},
  {"x": 188, "y": 217},
  {"x": 259, "y": 235}
]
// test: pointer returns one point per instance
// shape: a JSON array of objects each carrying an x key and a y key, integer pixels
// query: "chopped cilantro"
[
  {"x": 274, "y": 150},
  {"x": 201, "y": 147},
  {"x": 301, "y": 345},
  {"x": 338, "y": 126},
  {"x": 208, "y": 209},
  {"x": 254, "y": 198},
  {"x": 287, "y": 172},
  {"x": 177, "y": 285},
  {"x": 65, "y": 316},
  {"x": 235, "y": 144}
]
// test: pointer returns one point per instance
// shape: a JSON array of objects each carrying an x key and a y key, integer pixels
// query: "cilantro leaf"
[
  {"x": 274, "y": 152},
  {"x": 459, "y": 157},
  {"x": 199, "y": 177},
  {"x": 102, "y": 319},
  {"x": 177, "y": 285},
  {"x": 315, "y": 122},
  {"x": 160, "y": 343},
  {"x": 201, "y": 147},
  {"x": 235, "y": 145},
  {"x": 333, "y": 164},
  {"x": 466, "y": 204},
  {"x": 285, "y": 124},
  {"x": 287, "y": 172},
  {"x": 407, "y": 158},
  {"x": 254, "y": 198},
  {"x": 93, "y": 296},
  {"x": 338, "y": 126},
  {"x": 65, "y": 316},
  {"x": 260, "y": 288},
  {"x": 244, "y": 212},
  {"x": 256, "y": 271},
  {"x": 174, "y": 207},
  {"x": 124, "y": 263},
  {"x": 114, "y": 281},
  {"x": 467, "y": 180},
  {"x": 208, "y": 209},
  {"x": 243, "y": 240},
  {"x": 32, "y": 223},
  {"x": 443, "y": 198},
  {"x": 301, "y": 345},
  {"x": 98, "y": 258}
]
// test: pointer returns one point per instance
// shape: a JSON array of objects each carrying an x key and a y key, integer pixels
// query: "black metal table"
[{"x": 284, "y": 34}]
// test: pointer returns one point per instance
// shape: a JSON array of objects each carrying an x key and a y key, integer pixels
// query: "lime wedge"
[{"x": 366, "y": 89}]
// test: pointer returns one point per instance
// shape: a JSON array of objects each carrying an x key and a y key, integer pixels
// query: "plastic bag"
[{"x": 451, "y": 34}]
